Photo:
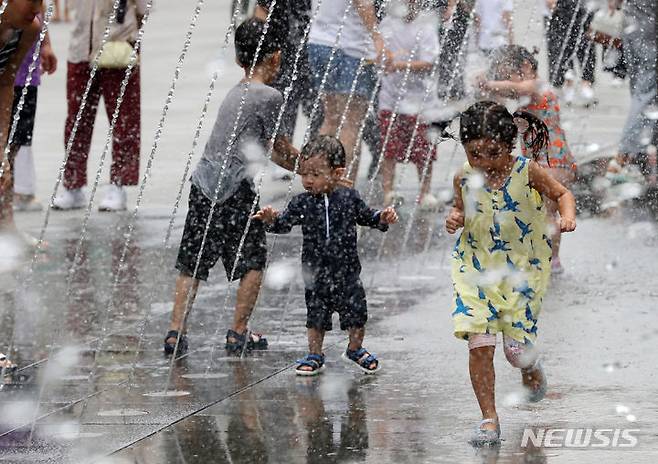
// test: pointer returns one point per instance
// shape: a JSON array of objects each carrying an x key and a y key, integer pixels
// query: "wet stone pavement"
[{"x": 107, "y": 393}]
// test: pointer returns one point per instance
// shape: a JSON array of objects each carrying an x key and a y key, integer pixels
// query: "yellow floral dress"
[{"x": 501, "y": 261}]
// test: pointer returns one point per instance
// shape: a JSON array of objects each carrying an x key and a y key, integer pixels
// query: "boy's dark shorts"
[
  {"x": 348, "y": 300},
  {"x": 226, "y": 228}
]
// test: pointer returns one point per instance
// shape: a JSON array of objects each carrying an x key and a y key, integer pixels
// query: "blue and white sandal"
[
  {"x": 314, "y": 361},
  {"x": 484, "y": 437},
  {"x": 537, "y": 394},
  {"x": 363, "y": 360}
]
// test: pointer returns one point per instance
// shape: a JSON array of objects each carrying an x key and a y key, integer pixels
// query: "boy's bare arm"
[
  {"x": 546, "y": 185},
  {"x": 284, "y": 153}
]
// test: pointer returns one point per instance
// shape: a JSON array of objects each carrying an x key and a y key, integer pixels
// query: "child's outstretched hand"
[
  {"x": 567, "y": 224},
  {"x": 455, "y": 220},
  {"x": 268, "y": 215},
  {"x": 388, "y": 216}
]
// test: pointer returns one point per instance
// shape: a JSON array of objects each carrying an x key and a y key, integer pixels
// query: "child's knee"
[{"x": 519, "y": 354}]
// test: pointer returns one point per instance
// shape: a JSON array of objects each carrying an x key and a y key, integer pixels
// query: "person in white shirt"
[
  {"x": 413, "y": 40},
  {"x": 493, "y": 22},
  {"x": 355, "y": 37}
]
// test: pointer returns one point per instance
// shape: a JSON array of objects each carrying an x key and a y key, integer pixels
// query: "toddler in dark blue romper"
[{"x": 329, "y": 213}]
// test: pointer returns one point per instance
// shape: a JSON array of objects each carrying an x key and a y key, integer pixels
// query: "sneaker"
[
  {"x": 70, "y": 199},
  {"x": 115, "y": 199},
  {"x": 587, "y": 95},
  {"x": 26, "y": 203},
  {"x": 429, "y": 203}
]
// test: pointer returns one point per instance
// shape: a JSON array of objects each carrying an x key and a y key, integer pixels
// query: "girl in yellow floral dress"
[{"x": 501, "y": 261}]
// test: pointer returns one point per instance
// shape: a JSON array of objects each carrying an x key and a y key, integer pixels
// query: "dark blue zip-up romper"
[{"x": 330, "y": 261}]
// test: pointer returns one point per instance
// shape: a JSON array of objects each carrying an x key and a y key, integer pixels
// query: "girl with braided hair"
[{"x": 501, "y": 261}]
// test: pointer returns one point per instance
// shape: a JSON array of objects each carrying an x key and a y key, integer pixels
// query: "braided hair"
[{"x": 491, "y": 120}]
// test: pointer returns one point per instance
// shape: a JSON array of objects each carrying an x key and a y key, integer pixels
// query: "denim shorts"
[{"x": 342, "y": 72}]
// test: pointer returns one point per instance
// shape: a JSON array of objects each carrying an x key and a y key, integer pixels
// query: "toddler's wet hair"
[
  {"x": 330, "y": 148},
  {"x": 491, "y": 120},
  {"x": 247, "y": 36}
]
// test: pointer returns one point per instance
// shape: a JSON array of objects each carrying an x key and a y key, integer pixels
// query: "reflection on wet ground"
[{"x": 106, "y": 388}]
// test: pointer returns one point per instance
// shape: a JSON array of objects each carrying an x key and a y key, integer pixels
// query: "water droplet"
[{"x": 621, "y": 409}]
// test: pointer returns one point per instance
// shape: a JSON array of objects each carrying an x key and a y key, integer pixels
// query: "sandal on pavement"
[
  {"x": 256, "y": 341},
  {"x": 485, "y": 437},
  {"x": 536, "y": 394},
  {"x": 363, "y": 360},
  {"x": 314, "y": 361},
  {"x": 169, "y": 348}
]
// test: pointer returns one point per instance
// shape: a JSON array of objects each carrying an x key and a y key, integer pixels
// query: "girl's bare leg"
[{"x": 483, "y": 379}]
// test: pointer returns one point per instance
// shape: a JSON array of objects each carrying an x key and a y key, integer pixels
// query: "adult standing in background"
[
  {"x": 21, "y": 143},
  {"x": 289, "y": 21},
  {"x": 359, "y": 40},
  {"x": 640, "y": 134},
  {"x": 457, "y": 17},
  {"x": 85, "y": 43},
  {"x": 567, "y": 40}
]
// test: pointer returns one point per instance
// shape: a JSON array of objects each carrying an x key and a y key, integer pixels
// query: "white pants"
[{"x": 24, "y": 173}]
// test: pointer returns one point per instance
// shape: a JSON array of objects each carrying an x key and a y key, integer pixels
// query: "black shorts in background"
[
  {"x": 226, "y": 228},
  {"x": 348, "y": 300},
  {"x": 25, "y": 127}
]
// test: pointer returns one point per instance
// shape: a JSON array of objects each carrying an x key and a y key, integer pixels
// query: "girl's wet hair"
[
  {"x": 330, "y": 148},
  {"x": 491, "y": 120}
]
